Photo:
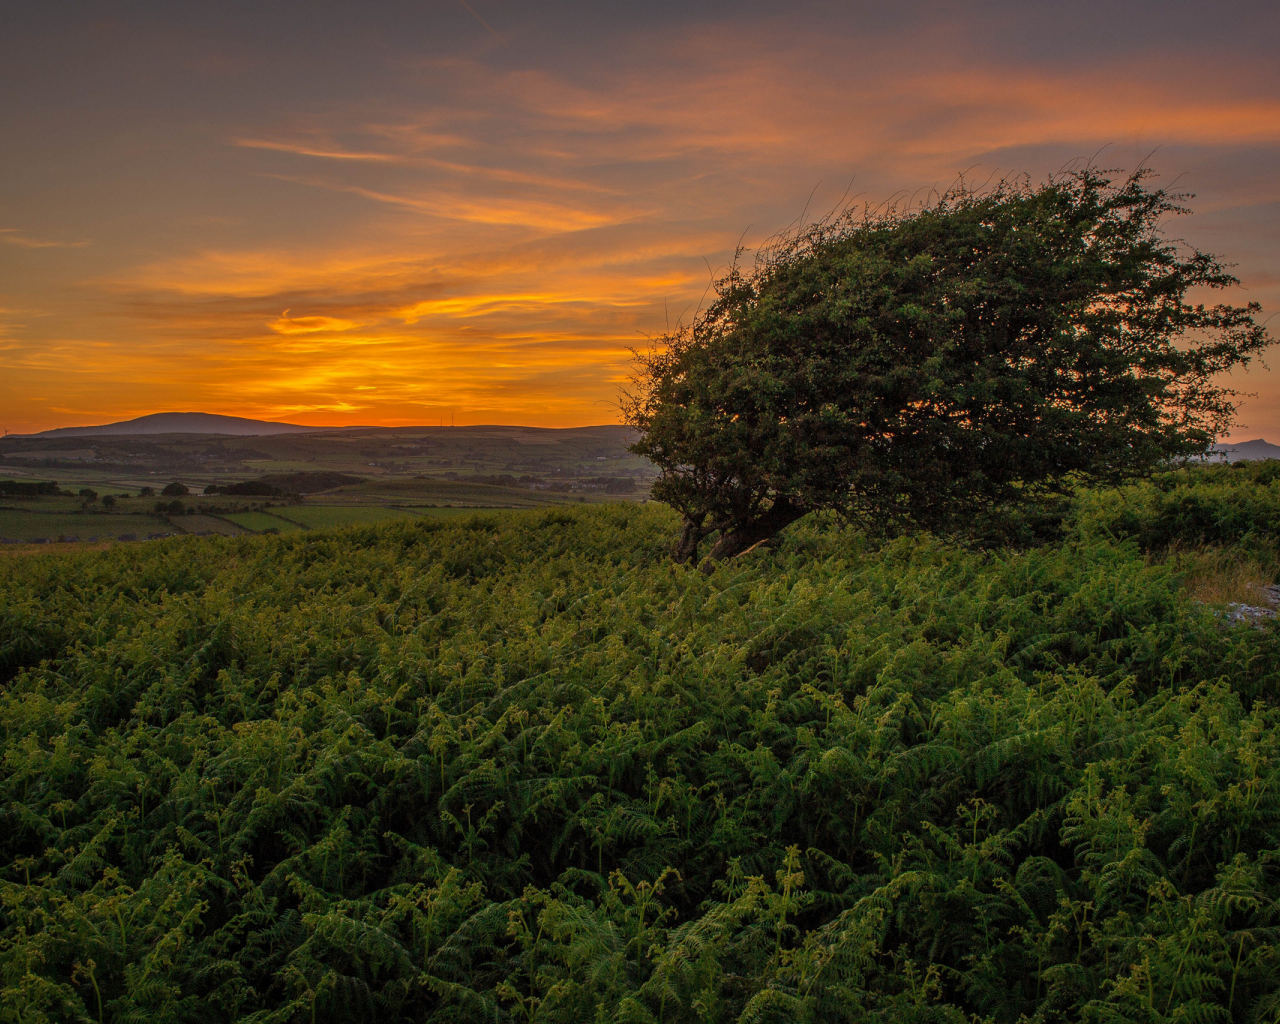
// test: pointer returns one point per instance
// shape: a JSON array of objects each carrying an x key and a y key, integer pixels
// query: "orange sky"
[{"x": 307, "y": 216}]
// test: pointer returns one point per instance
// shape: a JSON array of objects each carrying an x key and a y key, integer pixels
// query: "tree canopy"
[{"x": 942, "y": 367}]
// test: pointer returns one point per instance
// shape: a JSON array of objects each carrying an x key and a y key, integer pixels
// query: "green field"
[
  {"x": 129, "y": 463},
  {"x": 519, "y": 766},
  {"x": 453, "y": 511},
  {"x": 278, "y": 465},
  {"x": 315, "y": 517},
  {"x": 435, "y": 490},
  {"x": 23, "y": 525},
  {"x": 206, "y": 524},
  {"x": 259, "y": 521}
]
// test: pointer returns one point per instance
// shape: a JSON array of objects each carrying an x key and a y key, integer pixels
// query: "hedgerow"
[{"x": 526, "y": 768}]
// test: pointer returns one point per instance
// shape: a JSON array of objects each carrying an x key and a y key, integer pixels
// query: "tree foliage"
[
  {"x": 946, "y": 368},
  {"x": 527, "y": 769}
]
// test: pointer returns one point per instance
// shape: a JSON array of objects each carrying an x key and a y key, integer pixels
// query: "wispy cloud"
[
  {"x": 495, "y": 233},
  {"x": 298, "y": 149},
  {"x": 14, "y": 237},
  {"x": 419, "y": 161},
  {"x": 286, "y": 324}
]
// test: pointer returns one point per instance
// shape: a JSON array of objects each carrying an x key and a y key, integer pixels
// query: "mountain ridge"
[
  {"x": 1239, "y": 451},
  {"x": 182, "y": 423}
]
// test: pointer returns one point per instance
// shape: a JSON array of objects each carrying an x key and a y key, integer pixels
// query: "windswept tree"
[{"x": 942, "y": 367}]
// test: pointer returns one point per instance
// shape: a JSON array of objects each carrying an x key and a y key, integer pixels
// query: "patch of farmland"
[
  {"x": 451, "y": 511},
  {"x": 278, "y": 465},
  {"x": 437, "y": 490},
  {"x": 207, "y": 524},
  {"x": 20, "y": 525},
  {"x": 259, "y": 521},
  {"x": 324, "y": 517}
]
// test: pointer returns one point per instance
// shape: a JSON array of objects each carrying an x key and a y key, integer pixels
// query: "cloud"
[
  {"x": 13, "y": 237},
  {"x": 285, "y": 324},
  {"x": 515, "y": 212},
  {"x": 494, "y": 233},
  {"x": 302, "y": 150}
]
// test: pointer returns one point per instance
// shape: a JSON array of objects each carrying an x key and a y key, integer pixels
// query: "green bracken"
[{"x": 525, "y": 768}]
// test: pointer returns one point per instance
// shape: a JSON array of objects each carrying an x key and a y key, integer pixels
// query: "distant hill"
[
  {"x": 1238, "y": 451},
  {"x": 183, "y": 423}
]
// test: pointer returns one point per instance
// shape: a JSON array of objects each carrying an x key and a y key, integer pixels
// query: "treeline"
[
  {"x": 29, "y": 488},
  {"x": 287, "y": 483},
  {"x": 524, "y": 768},
  {"x": 248, "y": 487}
]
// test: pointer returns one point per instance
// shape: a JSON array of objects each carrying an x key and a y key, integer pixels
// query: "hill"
[
  {"x": 1237, "y": 451},
  {"x": 182, "y": 423},
  {"x": 523, "y": 767}
]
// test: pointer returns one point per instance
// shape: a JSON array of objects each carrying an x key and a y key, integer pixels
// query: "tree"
[
  {"x": 175, "y": 490},
  {"x": 109, "y": 501},
  {"x": 943, "y": 367},
  {"x": 89, "y": 494}
]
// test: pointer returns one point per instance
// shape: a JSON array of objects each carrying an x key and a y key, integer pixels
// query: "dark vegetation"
[
  {"x": 28, "y": 488},
  {"x": 957, "y": 368},
  {"x": 310, "y": 482},
  {"x": 287, "y": 483},
  {"x": 257, "y": 488},
  {"x": 526, "y": 768}
]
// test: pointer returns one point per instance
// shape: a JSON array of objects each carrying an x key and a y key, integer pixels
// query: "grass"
[
  {"x": 278, "y": 465},
  {"x": 320, "y": 517},
  {"x": 450, "y": 511},
  {"x": 439, "y": 490},
  {"x": 1227, "y": 576},
  {"x": 259, "y": 521},
  {"x": 21, "y": 525},
  {"x": 211, "y": 524}
]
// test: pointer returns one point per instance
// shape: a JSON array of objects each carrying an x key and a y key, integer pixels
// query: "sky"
[{"x": 403, "y": 213}]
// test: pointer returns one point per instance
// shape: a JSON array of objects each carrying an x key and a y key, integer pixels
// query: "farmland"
[
  {"x": 418, "y": 471},
  {"x": 121, "y": 462},
  {"x": 260, "y": 521},
  {"x": 24, "y": 525},
  {"x": 518, "y": 765},
  {"x": 321, "y": 517}
]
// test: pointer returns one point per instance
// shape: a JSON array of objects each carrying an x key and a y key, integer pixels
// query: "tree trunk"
[
  {"x": 744, "y": 536},
  {"x": 686, "y": 550}
]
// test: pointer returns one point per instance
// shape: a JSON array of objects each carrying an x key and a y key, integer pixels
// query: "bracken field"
[{"x": 520, "y": 766}]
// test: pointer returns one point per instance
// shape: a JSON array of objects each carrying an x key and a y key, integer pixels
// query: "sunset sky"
[{"x": 391, "y": 213}]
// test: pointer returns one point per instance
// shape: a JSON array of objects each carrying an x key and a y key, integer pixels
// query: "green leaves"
[
  {"x": 956, "y": 368},
  {"x": 536, "y": 771}
]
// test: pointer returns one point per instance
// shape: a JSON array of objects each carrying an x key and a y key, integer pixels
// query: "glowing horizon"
[{"x": 334, "y": 223}]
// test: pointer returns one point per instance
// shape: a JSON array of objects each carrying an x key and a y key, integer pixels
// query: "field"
[
  {"x": 421, "y": 471},
  {"x": 259, "y": 521},
  {"x": 21, "y": 524},
  {"x": 320, "y": 517},
  {"x": 518, "y": 766},
  {"x": 206, "y": 524},
  {"x": 461, "y": 457}
]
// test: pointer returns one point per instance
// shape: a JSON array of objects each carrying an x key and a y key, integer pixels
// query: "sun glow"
[{"x": 498, "y": 237}]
